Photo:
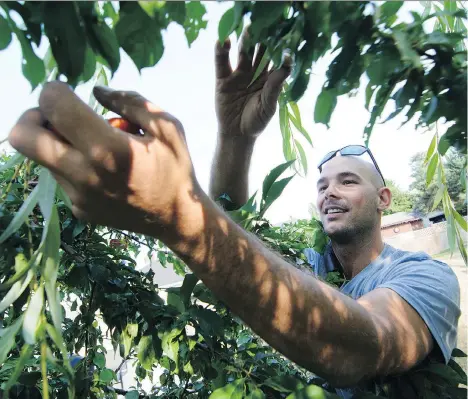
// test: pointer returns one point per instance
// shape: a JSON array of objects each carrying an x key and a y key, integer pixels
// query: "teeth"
[{"x": 334, "y": 210}]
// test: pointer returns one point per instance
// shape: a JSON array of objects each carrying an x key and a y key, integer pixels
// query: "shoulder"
[{"x": 406, "y": 264}]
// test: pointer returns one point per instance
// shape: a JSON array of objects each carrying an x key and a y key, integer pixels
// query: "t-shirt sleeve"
[{"x": 432, "y": 289}]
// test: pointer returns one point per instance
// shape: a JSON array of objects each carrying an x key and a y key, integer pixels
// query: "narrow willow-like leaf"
[{"x": 21, "y": 215}]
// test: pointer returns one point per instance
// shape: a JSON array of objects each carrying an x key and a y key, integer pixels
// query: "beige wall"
[{"x": 431, "y": 240}]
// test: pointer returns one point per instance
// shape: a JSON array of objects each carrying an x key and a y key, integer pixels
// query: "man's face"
[{"x": 348, "y": 198}]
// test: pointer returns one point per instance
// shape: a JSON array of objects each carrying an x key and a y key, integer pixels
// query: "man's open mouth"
[{"x": 334, "y": 210}]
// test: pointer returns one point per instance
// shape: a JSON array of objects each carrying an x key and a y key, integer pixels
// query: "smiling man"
[{"x": 397, "y": 307}]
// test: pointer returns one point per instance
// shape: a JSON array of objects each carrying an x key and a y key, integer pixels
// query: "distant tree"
[
  {"x": 402, "y": 201},
  {"x": 423, "y": 196}
]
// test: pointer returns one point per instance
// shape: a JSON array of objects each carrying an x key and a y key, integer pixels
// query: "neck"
[{"x": 355, "y": 255}]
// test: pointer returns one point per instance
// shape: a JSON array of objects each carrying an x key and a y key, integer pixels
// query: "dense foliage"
[{"x": 53, "y": 265}]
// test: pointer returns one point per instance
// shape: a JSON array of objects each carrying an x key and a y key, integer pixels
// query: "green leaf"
[
  {"x": 99, "y": 360},
  {"x": 225, "y": 27},
  {"x": 63, "y": 196},
  {"x": 431, "y": 149},
  {"x": 445, "y": 372},
  {"x": 151, "y": 7},
  {"x": 106, "y": 376},
  {"x": 389, "y": 9},
  {"x": 264, "y": 15},
  {"x": 25, "y": 355},
  {"x": 430, "y": 109},
  {"x": 12, "y": 161},
  {"x": 5, "y": 33},
  {"x": 302, "y": 155},
  {"x": 170, "y": 344},
  {"x": 146, "y": 354},
  {"x": 103, "y": 41},
  {"x": 312, "y": 392},
  {"x": 326, "y": 102},
  {"x": 139, "y": 36},
  {"x": 48, "y": 187},
  {"x": 438, "y": 197},
  {"x": 383, "y": 65},
  {"x": 57, "y": 338},
  {"x": 190, "y": 280},
  {"x": 457, "y": 352},
  {"x": 15, "y": 291},
  {"x": 432, "y": 168},
  {"x": 210, "y": 322},
  {"x": 63, "y": 36},
  {"x": 90, "y": 65},
  {"x": 176, "y": 11},
  {"x": 255, "y": 393},
  {"x": 275, "y": 191},
  {"x": 370, "y": 89},
  {"x": 461, "y": 221},
  {"x": 407, "y": 52},
  {"x": 173, "y": 299},
  {"x": 234, "y": 390},
  {"x": 299, "y": 86},
  {"x": 132, "y": 395},
  {"x": 195, "y": 11},
  {"x": 7, "y": 338},
  {"x": 261, "y": 67},
  {"x": 297, "y": 122},
  {"x": 22, "y": 214},
  {"x": 284, "y": 383},
  {"x": 274, "y": 174},
  {"x": 31, "y": 316},
  {"x": 33, "y": 67}
]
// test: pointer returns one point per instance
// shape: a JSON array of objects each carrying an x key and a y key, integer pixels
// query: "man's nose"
[{"x": 331, "y": 192}]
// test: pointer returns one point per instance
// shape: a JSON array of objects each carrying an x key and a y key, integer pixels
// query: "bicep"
[{"x": 404, "y": 338}]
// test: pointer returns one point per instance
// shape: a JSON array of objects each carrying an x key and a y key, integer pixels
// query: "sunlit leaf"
[
  {"x": 431, "y": 149},
  {"x": 32, "y": 315},
  {"x": 234, "y": 390},
  {"x": 432, "y": 168}
]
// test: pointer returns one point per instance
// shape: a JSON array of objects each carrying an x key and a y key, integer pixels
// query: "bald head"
[{"x": 356, "y": 165}]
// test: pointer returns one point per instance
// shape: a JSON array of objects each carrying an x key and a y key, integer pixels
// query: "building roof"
[{"x": 398, "y": 218}]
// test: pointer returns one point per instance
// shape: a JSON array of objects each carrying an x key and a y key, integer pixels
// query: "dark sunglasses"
[{"x": 355, "y": 150}]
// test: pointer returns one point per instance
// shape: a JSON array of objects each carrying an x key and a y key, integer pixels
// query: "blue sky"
[{"x": 183, "y": 84}]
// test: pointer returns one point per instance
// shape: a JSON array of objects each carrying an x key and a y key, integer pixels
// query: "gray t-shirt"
[{"x": 429, "y": 286}]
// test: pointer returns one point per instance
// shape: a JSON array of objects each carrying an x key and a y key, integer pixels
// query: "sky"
[{"x": 183, "y": 84}]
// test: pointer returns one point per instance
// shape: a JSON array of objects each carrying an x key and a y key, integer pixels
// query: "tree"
[
  {"x": 424, "y": 196},
  {"x": 402, "y": 201},
  {"x": 51, "y": 263}
]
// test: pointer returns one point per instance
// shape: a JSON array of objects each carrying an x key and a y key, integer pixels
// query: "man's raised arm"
[
  {"x": 105, "y": 172},
  {"x": 243, "y": 112}
]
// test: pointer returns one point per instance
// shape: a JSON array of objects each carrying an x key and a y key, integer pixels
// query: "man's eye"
[
  {"x": 349, "y": 182},
  {"x": 321, "y": 189}
]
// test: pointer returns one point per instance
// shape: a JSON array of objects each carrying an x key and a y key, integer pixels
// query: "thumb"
[{"x": 274, "y": 83}]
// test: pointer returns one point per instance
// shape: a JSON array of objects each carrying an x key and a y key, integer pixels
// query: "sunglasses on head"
[{"x": 355, "y": 150}]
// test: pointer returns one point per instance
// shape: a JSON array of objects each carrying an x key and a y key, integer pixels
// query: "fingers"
[
  {"x": 138, "y": 110},
  {"x": 70, "y": 116},
  {"x": 130, "y": 105},
  {"x": 246, "y": 52},
  {"x": 222, "y": 63},
  {"x": 274, "y": 84},
  {"x": 41, "y": 145}
]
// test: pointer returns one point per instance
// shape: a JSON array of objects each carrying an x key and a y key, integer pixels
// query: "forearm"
[
  {"x": 230, "y": 169},
  {"x": 295, "y": 313}
]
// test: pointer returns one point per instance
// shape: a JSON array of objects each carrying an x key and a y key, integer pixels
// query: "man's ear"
[{"x": 385, "y": 198}]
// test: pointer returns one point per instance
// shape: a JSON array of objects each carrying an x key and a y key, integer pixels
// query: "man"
[{"x": 386, "y": 323}]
